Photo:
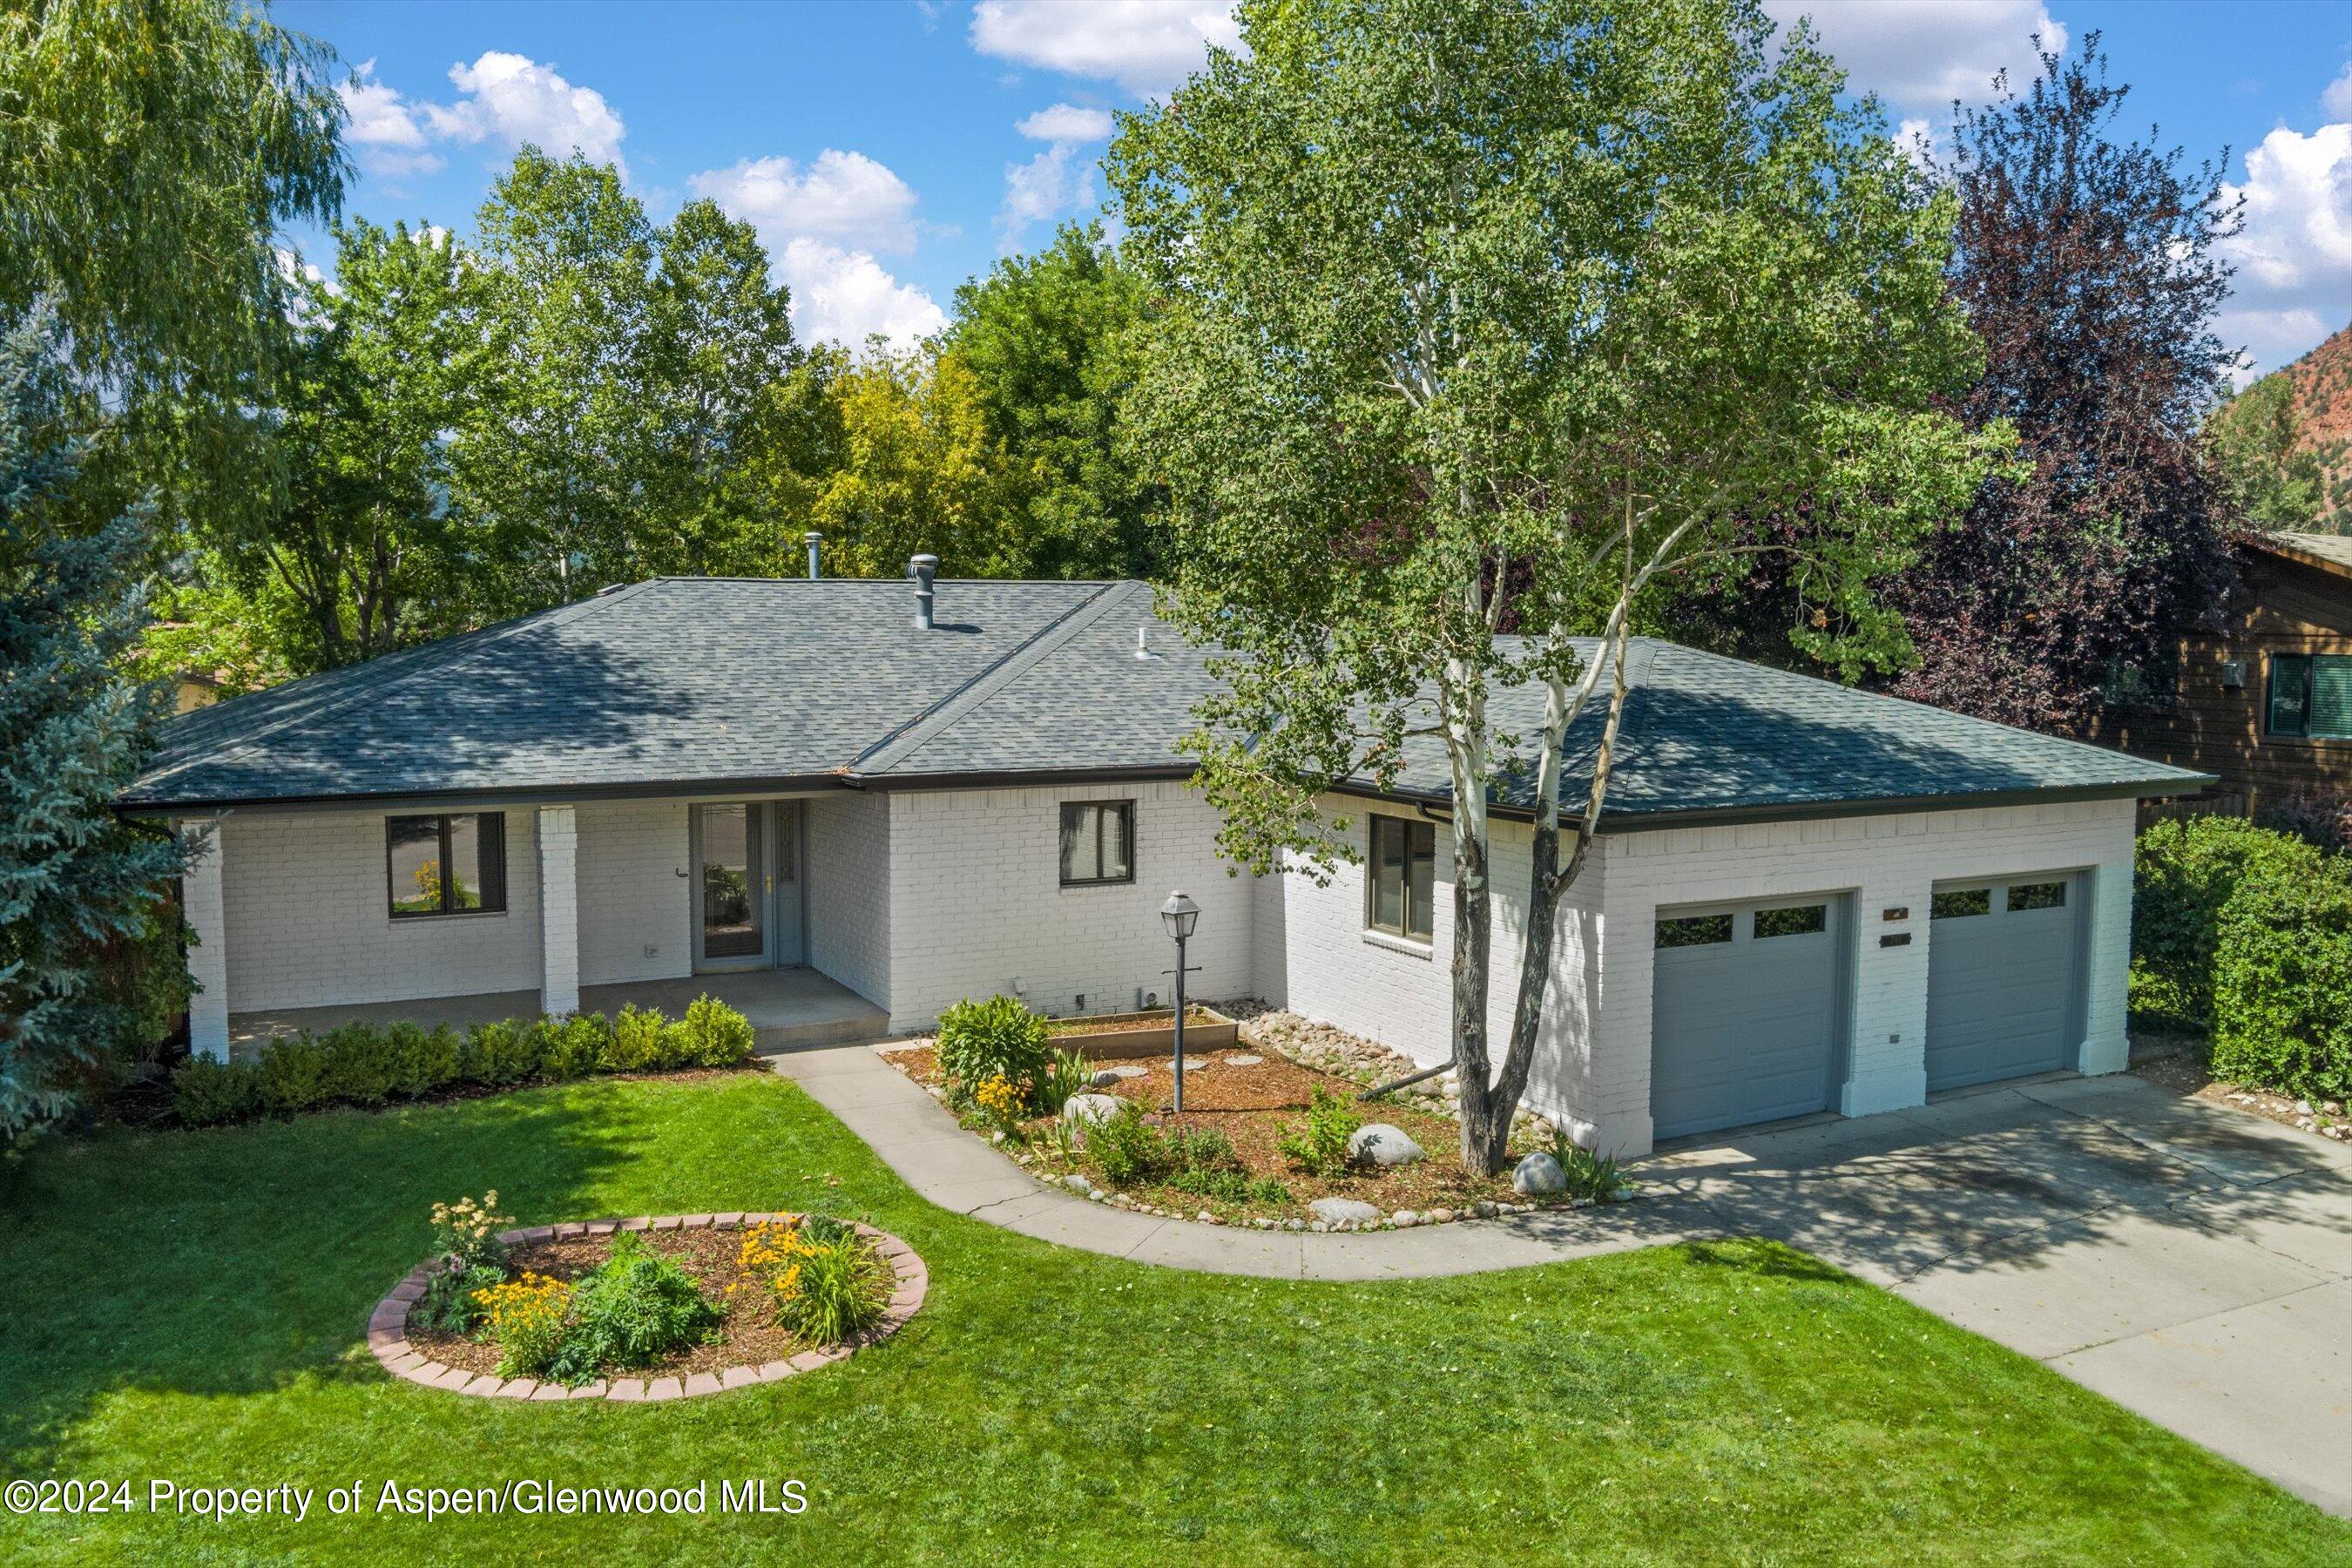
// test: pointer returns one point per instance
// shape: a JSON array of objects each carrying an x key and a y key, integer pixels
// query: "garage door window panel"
[
  {"x": 2028, "y": 896},
  {"x": 1693, "y": 931},
  {"x": 1798, "y": 920},
  {"x": 1962, "y": 904}
]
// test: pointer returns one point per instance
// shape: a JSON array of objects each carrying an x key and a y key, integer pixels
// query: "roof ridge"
[
  {"x": 928, "y": 725},
  {"x": 483, "y": 639}
]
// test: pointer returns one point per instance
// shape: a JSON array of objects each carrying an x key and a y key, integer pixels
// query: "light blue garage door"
[
  {"x": 2004, "y": 977},
  {"x": 1745, "y": 1016}
]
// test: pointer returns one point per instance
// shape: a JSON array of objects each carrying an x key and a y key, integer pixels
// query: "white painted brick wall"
[
  {"x": 1371, "y": 985},
  {"x": 635, "y": 891},
  {"x": 1593, "y": 1067},
  {"x": 559, "y": 903},
  {"x": 977, "y": 902},
  {"x": 309, "y": 925},
  {"x": 201, "y": 903},
  {"x": 847, "y": 858}
]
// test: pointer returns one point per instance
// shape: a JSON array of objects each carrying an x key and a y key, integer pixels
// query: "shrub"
[
  {"x": 1592, "y": 1176},
  {"x": 1233, "y": 1186},
  {"x": 1319, "y": 1146},
  {"x": 450, "y": 1301},
  {"x": 2186, "y": 873},
  {"x": 636, "y": 1042},
  {"x": 717, "y": 1035},
  {"x": 634, "y": 1308},
  {"x": 998, "y": 1037},
  {"x": 205, "y": 1092},
  {"x": 826, "y": 1285},
  {"x": 358, "y": 1065},
  {"x": 2282, "y": 984},
  {"x": 501, "y": 1054},
  {"x": 1128, "y": 1150},
  {"x": 573, "y": 1047},
  {"x": 424, "y": 1059},
  {"x": 1066, "y": 1076},
  {"x": 530, "y": 1319},
  {"x": 292, "y": 1073},
  {"x": 2319, "y": 816}
]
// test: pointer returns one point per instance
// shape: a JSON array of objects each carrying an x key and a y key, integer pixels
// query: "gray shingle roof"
[
  {"x": 2334, "y": 550},
  {"x": 685, "y": 685}
]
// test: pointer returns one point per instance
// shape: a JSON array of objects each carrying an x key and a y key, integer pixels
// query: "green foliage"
[
  {"x": 717, "y": 1035},
  {"x": 2282, "y": 980},
  {"x": 632, "y": 1310},
  {"x": 371, "y": 1064},
  {"x": 1319, "y": 1146},
  {"x": 2186, "y": 873},
  {"x": 2270, "y": 478},
  {"x": 1595, "y": 1177},
  {"x": 74, "y": 880},
  {"x": 839, "y": 1288},
  {"x": 1128, "y": 1150},
  {"x": 449, "y": 1305},
  {"x": 1232, "y": 1186},
  {"x": 1066, "y": 1076},
  {"x": 1050, "y": 341},
  {"x": 998, "y": 1036}
]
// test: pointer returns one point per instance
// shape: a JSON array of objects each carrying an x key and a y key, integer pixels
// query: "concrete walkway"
[{"x": 2191, "y": 1262}]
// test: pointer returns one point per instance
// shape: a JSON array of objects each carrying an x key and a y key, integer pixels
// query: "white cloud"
[
  {"x": 822, "y": 223},
  {"x": 387, "y": 130},
  {"x": 2295, "y": 256},
  {"x": 511, "y": 100},
  {"x": 2336, "y": 97},
  {"x": 1067, "y": 122},
  {"x": 1920, "y": 54},
  {"x": 845, "y": 198},
  {"x": 846, "y": 295},
  {"x": 1145, "y": 46}
]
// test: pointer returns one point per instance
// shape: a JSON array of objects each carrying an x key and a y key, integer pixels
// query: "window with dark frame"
[
  {"x": 1692, "y": 930},
  {"x": 1794, "y": 919},
  {"x": 2310, "y": 697},
  {"x": 454, "y": 863},
  {"x": 1097, "y": 842},
  {"x": 1403, "y": 893}
]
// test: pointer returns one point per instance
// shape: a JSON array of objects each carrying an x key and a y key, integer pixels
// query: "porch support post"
[
  {"x": 206, "y": 911},
  {"x": 559, "y": 908}
]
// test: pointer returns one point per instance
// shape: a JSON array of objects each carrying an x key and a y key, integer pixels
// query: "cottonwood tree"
[{"x": 1508, "y": 310}]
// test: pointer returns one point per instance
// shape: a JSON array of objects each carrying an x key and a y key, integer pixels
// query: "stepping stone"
[
  {"x": 1125, "y": 1069},
  {"x": 1244, "y": 1061}
]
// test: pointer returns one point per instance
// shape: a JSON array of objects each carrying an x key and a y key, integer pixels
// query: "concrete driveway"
[{"x": 2191, "y": 1262}]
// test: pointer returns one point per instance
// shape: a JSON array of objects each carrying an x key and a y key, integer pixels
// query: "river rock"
[
  {"x": 1089, "y": 1110},
  {"x": 1344, "y": 1210},
  {"x": 1377, "y": 1144},
  {"x": 1538, "y": 1172}
]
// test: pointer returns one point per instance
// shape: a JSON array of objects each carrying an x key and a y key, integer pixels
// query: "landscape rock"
[
  {"x": 1404, "y": 1219},
  {"x": 1377, "y": 1144},
  {"x": 1340, "y": 1209},
  {"x": 1538, "y": 1172},
  {"x": 1089, "y": 1110},
  {"x": 1485, "y": 1209},
  {"x": 1078, "y": 1184}
]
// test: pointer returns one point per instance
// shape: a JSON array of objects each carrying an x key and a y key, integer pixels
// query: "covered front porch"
[{"x": 789, "y": 1009}]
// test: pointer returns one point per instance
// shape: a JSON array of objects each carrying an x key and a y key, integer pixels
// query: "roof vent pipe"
[
  {"x": 922, "y": 569},
  {"x": 812, "y": 538}
]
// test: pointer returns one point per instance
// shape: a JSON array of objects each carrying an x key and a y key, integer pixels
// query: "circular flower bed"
[{"x": 750, "y": 1351}]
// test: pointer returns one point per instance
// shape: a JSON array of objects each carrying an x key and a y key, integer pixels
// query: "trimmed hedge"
[
  {"x": 2248, "y": 932},
  {"x": 371, "y": 1064}
]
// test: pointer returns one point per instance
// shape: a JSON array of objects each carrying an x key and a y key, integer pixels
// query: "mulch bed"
[
  {"x": 749, "y": 1336},
  {"x": 1251, "y": 1105}
]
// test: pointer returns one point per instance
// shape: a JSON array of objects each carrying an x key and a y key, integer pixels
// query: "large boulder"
[
  {"x": 1539, "y": 1173},
  {"x": 1377, "y": 1144},
  {"x": 1344, "y": 1211},
  {"x": 1089, "y": 1110}
]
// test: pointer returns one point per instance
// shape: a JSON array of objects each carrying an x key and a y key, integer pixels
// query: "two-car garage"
[{"x": 1751, "y": 1001}]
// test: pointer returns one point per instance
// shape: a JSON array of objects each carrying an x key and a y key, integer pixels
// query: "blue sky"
[{"x": 888, "y": 150}]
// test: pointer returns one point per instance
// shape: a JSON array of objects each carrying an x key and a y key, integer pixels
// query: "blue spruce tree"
[{"x": 75, "y": 881}]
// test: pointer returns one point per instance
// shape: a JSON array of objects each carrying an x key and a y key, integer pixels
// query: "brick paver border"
[{"x": 388, "y": 1325}]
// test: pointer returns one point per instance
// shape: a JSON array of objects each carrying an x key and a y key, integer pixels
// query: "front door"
[{"x": 730, "y": 880}]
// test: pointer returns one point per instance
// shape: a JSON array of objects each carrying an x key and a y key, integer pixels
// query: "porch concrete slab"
[
  {"x": 2090, "y": 1280},
  {"x": 2258, "y": 1382}
]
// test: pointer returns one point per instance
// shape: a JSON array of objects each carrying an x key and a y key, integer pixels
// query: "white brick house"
[{"x": 1803, "y": 898}]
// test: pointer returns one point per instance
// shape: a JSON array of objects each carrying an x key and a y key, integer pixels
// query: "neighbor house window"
[
  {"x": 1404, "y": 878},
  {"x": 453, "y": 864},
  {"x": 1097, "y": 842},
  {"x": 2311, "y": 696}
]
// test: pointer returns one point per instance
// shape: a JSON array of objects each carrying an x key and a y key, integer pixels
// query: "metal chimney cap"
[{"x": 923, "y": 567}]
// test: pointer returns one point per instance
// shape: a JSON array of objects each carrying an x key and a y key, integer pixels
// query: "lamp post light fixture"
[{"x": 1180, "y": 914}]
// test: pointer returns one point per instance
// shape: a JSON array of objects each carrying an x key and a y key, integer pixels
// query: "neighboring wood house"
[
  {"x": 1804, "y": 897},
  {"x": 2265, "y": 704}
]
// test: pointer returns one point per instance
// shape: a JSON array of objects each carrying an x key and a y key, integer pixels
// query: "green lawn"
[{"x": 190, "y": 1306}]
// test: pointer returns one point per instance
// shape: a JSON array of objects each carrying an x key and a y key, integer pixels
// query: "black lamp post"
[{"x": 1180, "y": 914}]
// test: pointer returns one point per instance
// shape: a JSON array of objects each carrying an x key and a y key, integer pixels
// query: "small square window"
[
  {"x": 1693, "y": 931},
  {"x": 452, "y": 864},
  {"x": 1798, "y": 920},
  {"x": 1961, "y": 904},
  {"x": 1097, "y": 842},
  {"x": 2037, "y": 896}
]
